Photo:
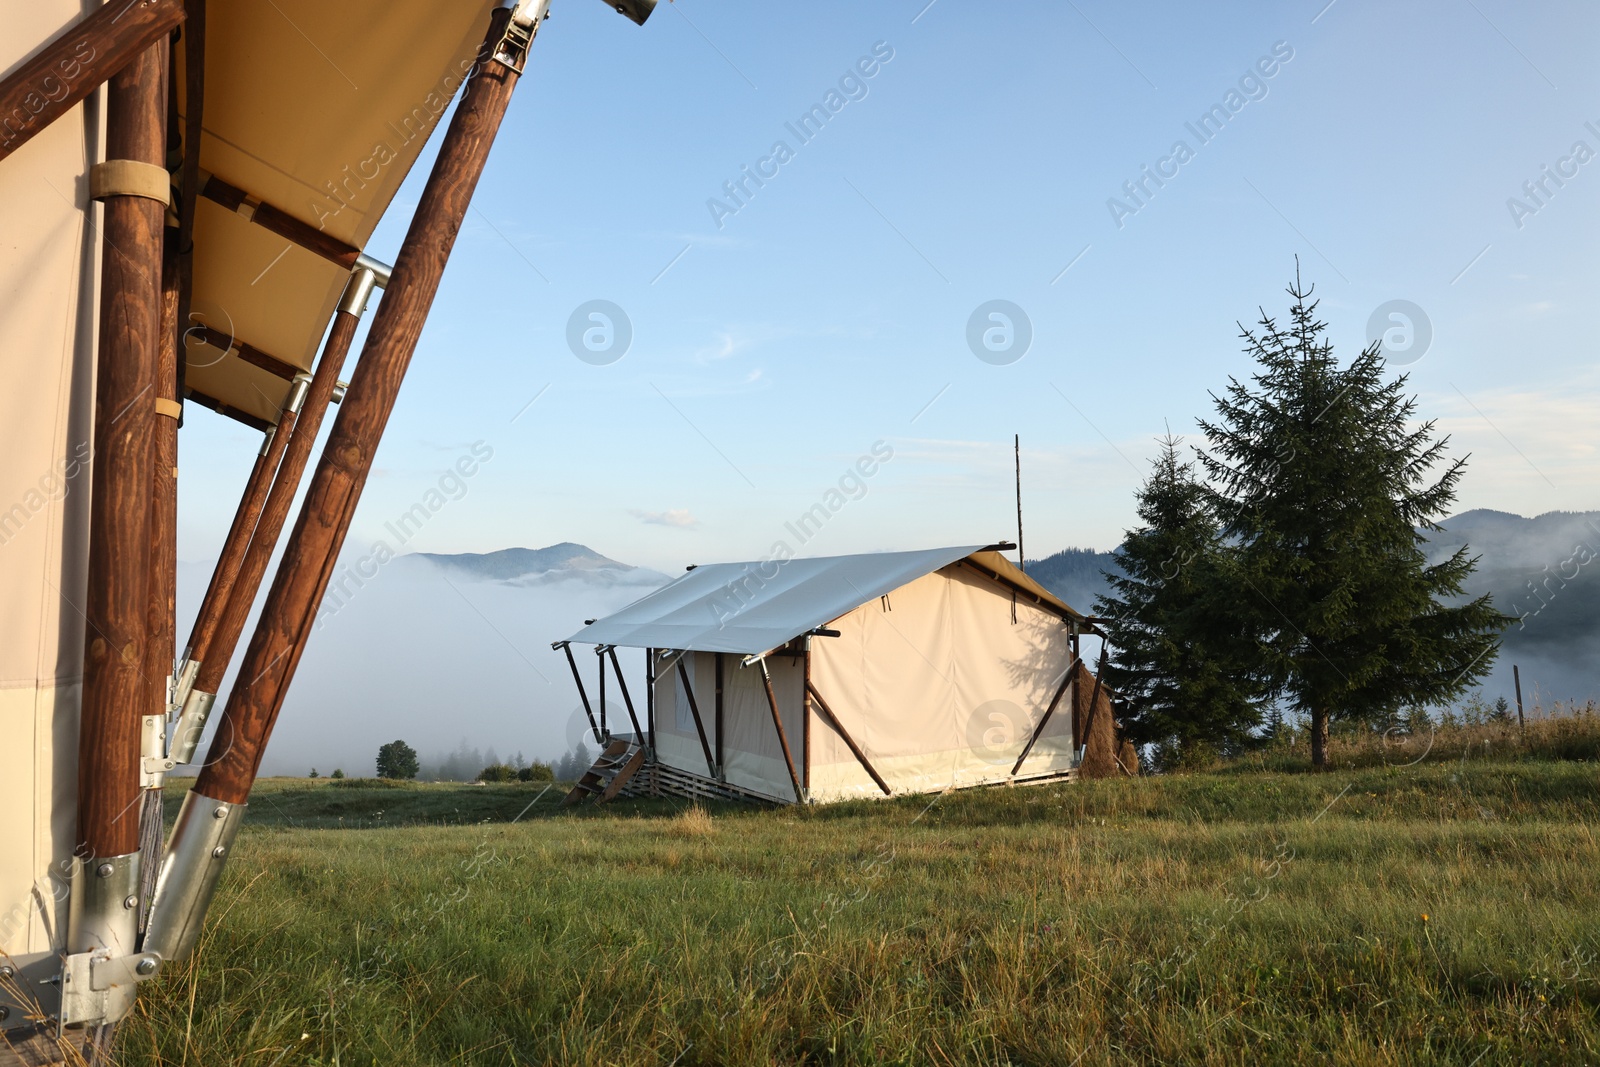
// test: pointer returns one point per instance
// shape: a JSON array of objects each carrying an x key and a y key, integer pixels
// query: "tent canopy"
[
  {"x": 354, "y": 91},
  {"x": 751, "y": 608}
]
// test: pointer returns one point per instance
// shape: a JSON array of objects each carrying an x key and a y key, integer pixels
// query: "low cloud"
[{"x": 678, "y": 517}]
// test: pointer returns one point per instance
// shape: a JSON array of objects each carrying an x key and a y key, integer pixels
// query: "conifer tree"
[
  {"x": 1180, "y": 674},
  {"x": 1326, "y": 487}
]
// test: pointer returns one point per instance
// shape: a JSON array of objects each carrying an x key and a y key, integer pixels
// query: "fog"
[{"x": 438, "y": 658}]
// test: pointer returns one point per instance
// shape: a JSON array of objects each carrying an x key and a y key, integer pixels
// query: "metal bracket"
[
  {"x": 201, "y": 839},
  {"x": 154, "y": 763},
  {"x": 191, "y": 724},
  {"x": 521, "y": 28},
  {"x": 103, "y": 926}
]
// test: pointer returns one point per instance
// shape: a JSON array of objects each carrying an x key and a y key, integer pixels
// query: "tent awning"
[
  {"x": 751, "y": 608},
  {"x": 317, "y": 110}
]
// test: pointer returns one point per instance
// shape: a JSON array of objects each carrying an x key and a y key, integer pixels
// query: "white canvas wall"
[
  {"x": 750, "y": 748},
  {"x": 49, "y": 259},
  {"x": 940, "y": 687}
]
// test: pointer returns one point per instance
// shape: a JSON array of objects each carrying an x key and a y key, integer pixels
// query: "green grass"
[{"x": 1219, "y": 918}]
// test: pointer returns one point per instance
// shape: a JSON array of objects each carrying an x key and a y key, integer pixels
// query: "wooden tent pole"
[
  {"x": 76, "y": 62},
  {"x": 627, "y": 699},
  {"x": 650, "y": 698},
  {"x": 717, "y": 714},
  {"x": 114, "y": 692},
  {"x": 117, "y": 634},
  {"x": 342, "y": 470},
  {"x": 855, "y": 749},
  {"x": 577, "y": 679},
  {"x": 783, "y": 738}
]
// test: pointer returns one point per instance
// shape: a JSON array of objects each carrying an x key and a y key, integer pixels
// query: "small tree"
[
  {"x": 313, "y": 773},
  {"x": 1176, "y": 661},
  {"x": 497, "y": 772},
  {"x": 397, "y": 760},
  {"x": 1326, "y": 486},
  {"x": 536, "y": 772},
  {"x": 337, "y": 773}
]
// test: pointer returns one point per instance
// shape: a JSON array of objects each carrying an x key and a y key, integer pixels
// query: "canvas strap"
[
  {"x": 127, "y": 177},
  {"x": 170, "y": 408}
]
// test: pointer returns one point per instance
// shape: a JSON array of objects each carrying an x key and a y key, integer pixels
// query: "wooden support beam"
[
  {"x": 211, "y": 403},
  {"x": 279, "y": 222},
  {"x": 300, "y": 429},
  {"x": 600, "y": 671},
  {"x": 650, "y": 698},
  {"x": 694, "y": 710},
  {"x": 783, "y": 738},
  {"x": 115, "y": 694},
  {"x": 861, "y": 757},
  {"x": 805, "y": 719},
  {"x": 627, "y": 700},
  {"x": 221, "y": 341},
  {"x": 1094, "y": 699},
  {"x": 76, "y": 62},
  {"x": 319, "y": 532},
  {"x": 1066, "y": 680}
]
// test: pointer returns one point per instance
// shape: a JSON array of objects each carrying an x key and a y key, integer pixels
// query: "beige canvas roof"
[{"x": 319, "y": 110}]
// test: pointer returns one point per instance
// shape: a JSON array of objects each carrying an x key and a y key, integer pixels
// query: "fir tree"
[
  {"x": 1179, "y": 672},
  {"x": 1326, "y": 487}
]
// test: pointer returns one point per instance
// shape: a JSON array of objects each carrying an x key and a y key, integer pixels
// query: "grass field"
[{"x": 1444, "y": 912}]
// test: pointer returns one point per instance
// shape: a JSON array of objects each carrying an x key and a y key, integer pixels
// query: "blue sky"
[{"x": 830, "y": 312}]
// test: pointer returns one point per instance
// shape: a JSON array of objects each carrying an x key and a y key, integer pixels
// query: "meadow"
[{"x": 1434, "y": 905}]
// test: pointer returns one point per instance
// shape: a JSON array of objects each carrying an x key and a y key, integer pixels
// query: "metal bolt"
[
  {"x": 5, "y": 1013},
  {"x": 130, "y": 902},
  {"x": 147, "y": 965},
  {"x": 219, "y": 852},
  {"x": 104, "y": 870},
  {"x": 220, "y": 812},
  {"x": 7, "y": 971}
]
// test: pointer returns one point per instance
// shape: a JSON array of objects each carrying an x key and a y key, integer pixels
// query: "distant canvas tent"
[{"x": 845, "y": 676}]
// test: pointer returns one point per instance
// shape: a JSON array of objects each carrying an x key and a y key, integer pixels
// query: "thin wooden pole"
[
  {"x": 1017, "y": 453},
  {"x": 600, "y": 670},
  {"x": 1516, "y": 678},
  {"x": 1045, "y": 718},
  {"x": 855, "y": 749},
  {"x": 805, "y": 718},
  {"x": 650, "y": 697},
  {"x": 115, "y": 695},
  {"x": 783, "y": 738},
  {"x": 319, "y": 532},
  {"x": 583, "y": 694},
  {"x": 300, "y": 428},
  {"x": 75, "y": 63},
  {"x": 627, "y": 698}
]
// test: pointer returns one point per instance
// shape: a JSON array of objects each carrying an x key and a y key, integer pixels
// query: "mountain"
[
  {"x": 531, "y": 566},
  {"x": 1075, "y": 575}
]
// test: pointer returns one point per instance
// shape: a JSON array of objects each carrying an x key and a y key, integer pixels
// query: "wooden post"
[
  {"x": 627, "y": 698},
  {"x": 783, "y": 738},
  {"x": 74, "y": 64},
  {"x": 1045, "y": 718},
  {"x": 805, "y": 718},
  {"x": 319, "y": 532},
  {"x": 1516, "y": 678},
  {"x": 600, "y": 669},
  {"x": 115, "y": 696},
  {"x": 1017, "y": 446},
  {"x": 855, "y": 749},
  {"x": 300, "y": 430},
  {"x": 650, "y": 698}
]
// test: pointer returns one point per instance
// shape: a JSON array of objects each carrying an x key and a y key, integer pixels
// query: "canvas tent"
[
  {"x": 845, "y": 676},
  {"x": 186, "y": 191}
]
